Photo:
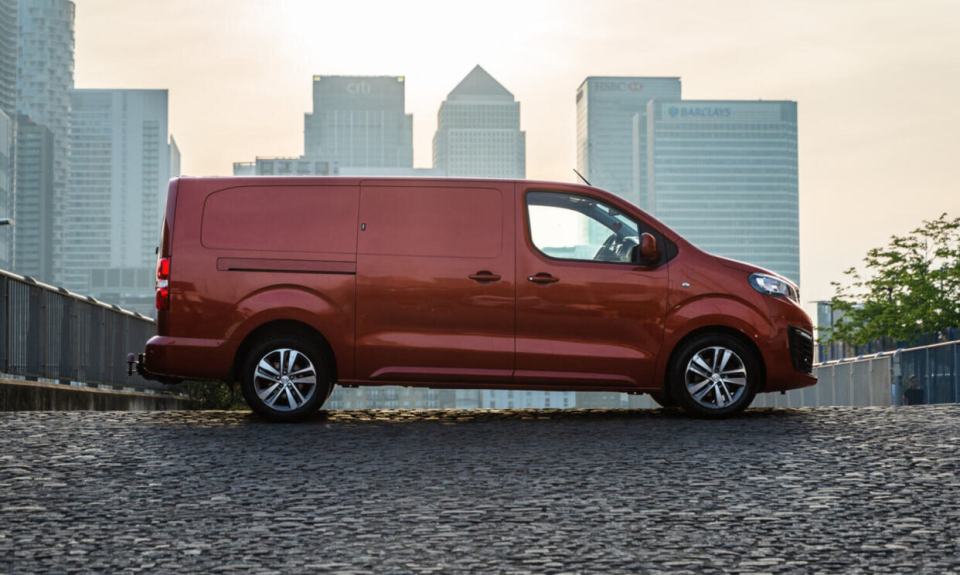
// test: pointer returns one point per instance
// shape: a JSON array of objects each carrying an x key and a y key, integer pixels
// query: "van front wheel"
[
  {"x": 714, "y": 375},
  {"x": 284, "y": 379}
]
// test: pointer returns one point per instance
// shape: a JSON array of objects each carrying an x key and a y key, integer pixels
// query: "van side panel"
[
  {"x": 436, "y": 282},
  {"x": 245, "y": 255},
  {"x": 282, "y": 219}
]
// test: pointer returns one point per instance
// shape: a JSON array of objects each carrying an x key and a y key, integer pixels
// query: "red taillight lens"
[
  {"x": 163, "y": 283},
  {"x": 163, "y": 298},
  {"x": 163, "y": 269}
]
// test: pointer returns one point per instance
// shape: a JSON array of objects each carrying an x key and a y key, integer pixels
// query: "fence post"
[
  {"x": 956, "y": 375},
  {"x": 34, "y": 340},
  {"x": 66, "y": 371},
  {"x": 44, "y": 332},
  {"x": 5, "y": 322},
  {"x": 896, "y": 377}
]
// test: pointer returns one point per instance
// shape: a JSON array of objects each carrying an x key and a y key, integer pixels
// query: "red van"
[{"x": 292, "y": 285}]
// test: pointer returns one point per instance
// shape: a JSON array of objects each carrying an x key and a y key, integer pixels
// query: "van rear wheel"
[
  {"x": 714, "y": 375},
  {"x": 285, "y": 378}
]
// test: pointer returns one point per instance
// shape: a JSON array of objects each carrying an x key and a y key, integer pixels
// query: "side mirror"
[{"x": 647, "y": 253}]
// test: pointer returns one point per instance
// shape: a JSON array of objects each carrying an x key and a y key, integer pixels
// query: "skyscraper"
[
  {"x": 724, "y": 174},
  {"x": 478, "y": 131},
  {"x": 44, "y": 81},
  {"x": 606, "y": 107},
  {"x": 8, "y": 128},
  {"x": 33, "y": 248},
  {"x": 9, "y": 33},
  {"x": 121, "y": 161},
  {"x": 359, "y": 121}
]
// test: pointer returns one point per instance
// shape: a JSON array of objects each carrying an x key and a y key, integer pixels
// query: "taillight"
[
  {"x": 163, "y": 283},
  {"x": 163, "y": 269}
]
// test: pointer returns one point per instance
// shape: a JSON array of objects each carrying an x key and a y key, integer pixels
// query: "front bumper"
[
  {"x": 788, "y": 353},
  {"x": 789, "y": 362},
  {"x": 801, "y": 348}
]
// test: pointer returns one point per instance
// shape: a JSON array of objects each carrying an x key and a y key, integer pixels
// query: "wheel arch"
[
  {"x": 285, "y": 327},
  {"x": 707, "y": 330}
]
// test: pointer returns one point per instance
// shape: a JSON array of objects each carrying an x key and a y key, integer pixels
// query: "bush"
[{"x": 214, "y": 394}]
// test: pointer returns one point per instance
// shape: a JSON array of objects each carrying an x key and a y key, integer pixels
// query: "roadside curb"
[{"x": 22, "y": 395}]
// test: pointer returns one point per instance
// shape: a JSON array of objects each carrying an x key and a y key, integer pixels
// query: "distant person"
[{"x": 913, "y": 394}]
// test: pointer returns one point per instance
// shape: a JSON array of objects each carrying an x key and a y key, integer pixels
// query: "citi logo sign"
[{"x": 358, "y": 88}]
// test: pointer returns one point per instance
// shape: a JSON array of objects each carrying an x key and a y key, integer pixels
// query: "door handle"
[
  {"x": 542, "y": 278},
  {"x": 484, "y": 276}
]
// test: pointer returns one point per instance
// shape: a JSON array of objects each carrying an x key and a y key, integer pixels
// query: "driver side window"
[{"x": 572, "y": 227}]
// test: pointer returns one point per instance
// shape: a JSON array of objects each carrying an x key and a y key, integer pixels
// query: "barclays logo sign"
[{"x": 699, "y": 112}]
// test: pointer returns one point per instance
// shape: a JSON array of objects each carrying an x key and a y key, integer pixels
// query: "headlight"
[{"x": 772, "y": 285}]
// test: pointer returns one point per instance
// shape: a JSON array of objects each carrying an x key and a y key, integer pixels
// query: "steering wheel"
[
  {"x": 608, "y": 251},
  {"x": 623, "y": 250}
]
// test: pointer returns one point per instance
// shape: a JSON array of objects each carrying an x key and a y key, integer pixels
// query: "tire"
[
  {"x": 663, "y": 400},
  {"x": 714, "y": 375},
  {"x": 266, "y": 383}
]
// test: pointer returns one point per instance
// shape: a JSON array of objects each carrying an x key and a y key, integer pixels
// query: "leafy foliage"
[
  {"x": 213, "y": 394},
  {"x": 907, "y": 288}
]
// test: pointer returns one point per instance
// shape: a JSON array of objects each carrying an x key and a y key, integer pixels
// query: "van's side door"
[
  {"x": 586, "y": 315},
  {"x": 435, "y": 282}
]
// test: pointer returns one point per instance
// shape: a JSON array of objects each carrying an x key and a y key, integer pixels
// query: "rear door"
[{"x": 435, "y": 282}]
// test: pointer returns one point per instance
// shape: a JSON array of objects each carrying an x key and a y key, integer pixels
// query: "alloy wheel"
[
  {"x": 285, "y": 379},
  {"x": 716, "y": 377}
]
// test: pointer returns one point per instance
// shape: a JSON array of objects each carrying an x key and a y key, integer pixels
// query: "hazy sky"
[{"x": 877, "y": 82}]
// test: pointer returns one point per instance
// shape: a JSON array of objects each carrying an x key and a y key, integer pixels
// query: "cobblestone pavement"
[{"x": 863, "y": 490}]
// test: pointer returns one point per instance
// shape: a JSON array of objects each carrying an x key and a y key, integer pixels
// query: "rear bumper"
[
  {"x": 185, "y": 358},
  {"x": 135, "y": 365}
]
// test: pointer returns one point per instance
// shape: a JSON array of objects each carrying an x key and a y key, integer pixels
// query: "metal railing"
[
  {"x": 929, "y": 374},
  {"x": 832, "y": 351},
  {"x": 923, "y": 374},
  {"x": 49, "y": 333}
]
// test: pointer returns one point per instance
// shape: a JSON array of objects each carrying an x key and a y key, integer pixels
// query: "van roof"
[
  {"x": 211, "y": 183},
  {"x": 357, "y": 179},
  {"x": 272, "y": 180}
]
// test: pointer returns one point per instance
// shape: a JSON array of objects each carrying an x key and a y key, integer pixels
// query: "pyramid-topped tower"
[
  {"x": 478, "y": 130},
  {"x": 479, "y": 85}
]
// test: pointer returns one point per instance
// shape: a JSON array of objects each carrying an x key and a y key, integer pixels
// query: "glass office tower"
[
  {"x": 359, "y": 121},
  {"x": 122, "y": 158},
  {"x": 724, "y": 174},
  {"x": 606, "y": 106}
]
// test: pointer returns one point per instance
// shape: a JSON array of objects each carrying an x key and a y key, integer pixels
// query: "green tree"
[{"x": 907, "y": 288}]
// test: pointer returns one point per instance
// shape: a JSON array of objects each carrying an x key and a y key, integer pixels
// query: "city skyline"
[{"x": 863, "y": 145}]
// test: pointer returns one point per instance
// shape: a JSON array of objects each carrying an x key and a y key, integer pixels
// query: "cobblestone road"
[{"x": 776, "y": 491}]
